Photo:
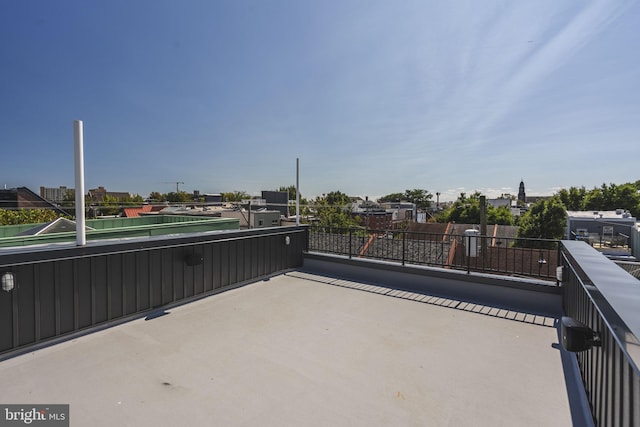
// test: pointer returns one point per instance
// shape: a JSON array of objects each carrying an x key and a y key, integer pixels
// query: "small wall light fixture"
[
  {"x": 8, "y": 281},
  {"x": 287, "y": 240},
  {"x": 576, "y": 336}
]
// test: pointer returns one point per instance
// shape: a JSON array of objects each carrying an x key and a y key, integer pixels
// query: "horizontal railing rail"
[{"x": 473, "y": 253}]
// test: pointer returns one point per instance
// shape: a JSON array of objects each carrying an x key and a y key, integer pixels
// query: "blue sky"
[{"x": 374, "y": 97}]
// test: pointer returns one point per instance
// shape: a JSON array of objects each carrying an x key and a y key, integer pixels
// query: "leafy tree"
[
  {"x": 179, "y": 197},
  {"x": 235, "y": 196},
  {"x": 156, "y": 196},
  {"x": 546, "y": 219},
  {"x": 69, "y": 199},
  {"x": 129, "y": 200},
  {"x": 422, "y": 198},
  {"x": 466, "y": 210},
  {"x": 501, "y": 215},
  {"x": 574, "y": 198},
  {"x": 109, "y": 205},
  {"x": 334, "y": 210},
  {"x": 393, "y": 197},
  {"x": 27, "y": 216}
]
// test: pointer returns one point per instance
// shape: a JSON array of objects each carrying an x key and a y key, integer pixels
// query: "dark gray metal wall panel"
[
  {"x": 233, "y": 261},
  {"x": 82, "y": 285},
  {"x": 207, "y": 268},
  {"x": 65, "y": 310},
  {"x": 46, "y": 284},
  {"x": 142, "y": 280},
  {"x": 114, "y": 284},
  {"x": 216, "y": 260},
  {"x": 72, "y": 288},
  {"x": 129, "y": 283},
  {"x": 167, "y": 277},
  {"x": 6, "y": 320},
  {"x": 155, "y": 278},
  {"x": 177, "y": 279},
  {"x": 224, "y": 264},
  {"x": 26, "y": 305},
  {"x": 100, "y": 289}
]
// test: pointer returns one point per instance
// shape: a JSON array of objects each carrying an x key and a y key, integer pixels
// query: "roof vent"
[
  {"x": 619, "y": 211},
  {"x": 626, "y": 215}
]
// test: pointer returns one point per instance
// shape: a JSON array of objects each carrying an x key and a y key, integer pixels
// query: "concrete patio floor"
[{"x": 303, "y": 349}]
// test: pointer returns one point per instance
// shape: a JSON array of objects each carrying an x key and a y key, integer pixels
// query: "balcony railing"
[
  {"x": 496, "y": 255},
  {"x": 605, "y": 298}
]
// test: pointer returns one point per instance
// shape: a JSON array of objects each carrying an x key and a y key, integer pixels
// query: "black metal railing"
[
  {"x": 599, "y": 294},
  {"x": 498, "y": 255}
]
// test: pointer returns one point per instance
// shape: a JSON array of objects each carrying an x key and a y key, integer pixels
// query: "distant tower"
[{"x": 522, "y": 196}]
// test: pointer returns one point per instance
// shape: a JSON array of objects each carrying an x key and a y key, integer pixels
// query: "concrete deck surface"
[{"x": 305, "y": 350}]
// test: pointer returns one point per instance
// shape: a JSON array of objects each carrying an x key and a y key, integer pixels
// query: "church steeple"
[{"x": 522, "y": 196}]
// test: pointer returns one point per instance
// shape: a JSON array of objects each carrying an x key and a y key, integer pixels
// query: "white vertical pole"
[
  {"x": 297, "y": 191},
  {"x": 81, "y": 238}
]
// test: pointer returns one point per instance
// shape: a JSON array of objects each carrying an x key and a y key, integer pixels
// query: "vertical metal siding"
[{"x": 62, "y": 291}]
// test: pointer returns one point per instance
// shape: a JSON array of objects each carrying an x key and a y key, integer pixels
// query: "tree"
[
  {"x": 421, "y": 198},
  {"x": 334, "y": 210},
  {"x": 546, "y": 219},
  {"x": 27, "y": 216},
  {"x": 109, "y": 205},
  {"x": 235, "y": 196},
  {"x": 157, "y": 197},
  {"x": 393, "y": 197},
  {"x": 179, "y": 197},
  {"x": 466, "y": 210},
  {"x": 129, "y": 200},
  {"x": 573, "y": 199}
]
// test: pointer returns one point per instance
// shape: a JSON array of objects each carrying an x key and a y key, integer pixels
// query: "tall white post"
[
  {"x": 297, "y": 191},
  {"x": 81, "y": 238}
]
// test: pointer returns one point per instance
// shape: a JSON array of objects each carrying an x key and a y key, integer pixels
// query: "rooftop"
[{"x": 305, "y": 348}]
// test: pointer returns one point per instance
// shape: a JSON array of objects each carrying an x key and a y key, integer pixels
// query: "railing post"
[
  {"x": 404, "y": 245},
  {"x": 467, "y": 253},
  {"x": 350, "y": 237}
]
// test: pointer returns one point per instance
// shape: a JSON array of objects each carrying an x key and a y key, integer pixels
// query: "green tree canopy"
[
  {"x": 604, "y": 198},
  {"x": 466, "y": 210},
  {"x": 334, "y": 210},
  {"x": 27, "y": 216},
  {"x": 546, "y": 219},
  {"x": 422, "y": 198},
  {"x": 179, "y": 197},
  {"x": 158, "y": 197},
  {"x": 235, "y": 196}
]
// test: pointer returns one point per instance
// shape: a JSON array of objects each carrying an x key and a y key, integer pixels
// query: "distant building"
[
  {"x": 522, "y": 196},
  {"x": 277, "y": 200},
  {"x": 55, "y": 194},
  {"x": 401, "y": 211},
  {"x": 613, "y": 228},
  {"x": 498, "y": 203},
  {"x": 98, "y": 194},
  {"x": 260, "y": 218},
  {"x": 213, "y": 199},
  {"x": 23, "y": 198},
  {"x": 373, "y": 216}
]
